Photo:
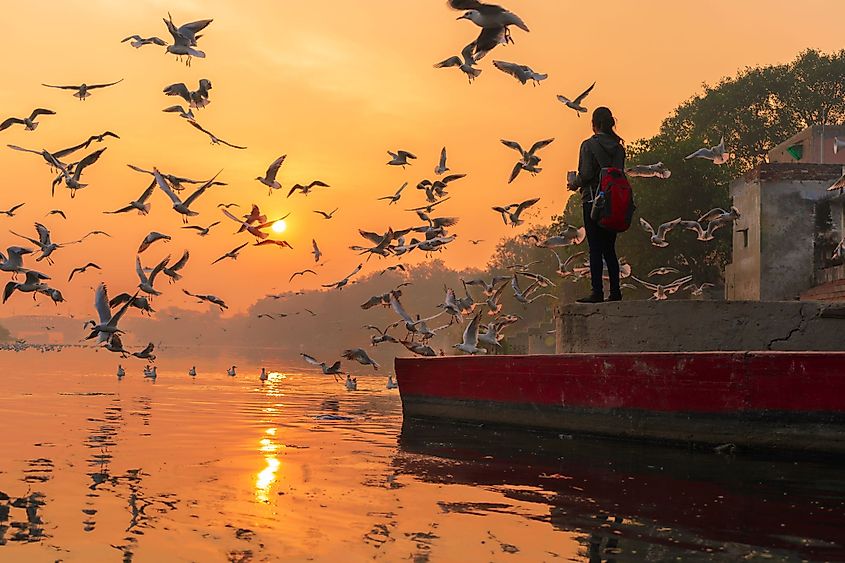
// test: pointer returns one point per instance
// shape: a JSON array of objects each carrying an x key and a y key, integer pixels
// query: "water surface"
[{"x": 229, "y": 469}]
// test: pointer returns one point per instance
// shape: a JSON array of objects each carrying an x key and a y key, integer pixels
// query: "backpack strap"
[{"x": 605, "y": 161}]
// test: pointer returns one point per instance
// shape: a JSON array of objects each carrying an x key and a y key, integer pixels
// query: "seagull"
[
  {"x": 176, "y": 181},
  {"x": 342, "y": 283},
  {"x": 256, "y": 230},
  {"x": 351, "y": 383},
  {"x": 146, "y": 353},
  {"x": 491, "y": 335},
  {"x": 718, "y": 154},
  {"x": 232, "y": 371},
  {"x": 82, "y": 270},
  {"x": 196, "y": 99},
  {"x": 182, "y": 207},
  {"x": 227, "y": 205},
  {"x": 193, "y": 371},
  {"x": 263, "y": 376},
  {"x": 513, "y": 211},
  {"x": 698, "y": 290},
  {"x": 522, "y": 73},
  {"x": 150, "y": 239},
  {"x": 277, "y": 243},
  {"x": 135, "y": 301},
  {"x": 465, "y": 62},
  {"x": 57, "y": 212},
  {"x": 72, "y": 179},
  {"x": 382, "y": 335},
  {"x": 525, "y": 297},
  {"x": 395, "y": 197},
  {"x": 269, "y": 178},
  {"x": 569, "y": 236},
  {"x": 326, "y": 215},
  {"x": 316, "y": 252},
  {"x": 487, "y": 15},
  {"x": 208, "y": 299},
  {"x": 11, "y": 211},
  {"x": 401, "y": 267},
  {"x": 658, "y": 170},
  {"x": 333, "y": 369},
  {"x": 727, "y": 217},
  {"x": 488, "y": 288},
  {"x": 529, "y": 160},
  {"x": 113, "y": 344},
  {"x": 215, "y": 140},
  {"x": 138, "y": 41},
  {"x": 45, "y": 243},
  {"x": 306, "y": 189},
  {"x": 120, "y": 371},
  {"x": 658, "y": 238},
  {"x": 400, "y": 158},
  {"x": 470, "y": 338},
  {"x": 32, "y": 284},
  {"x": 14, "y": 262},
  {"x": 391, "y": 384},
  {"x": 576, "y": 103},
  {"x": 301, "y": 273},
  {"x": 183, "y": 113},
  {"x": 662, "y": 292},
  {"x": 146, "y": 282},
  {"x": 82, "y": 91},
  {"x": 29, "y": 123},
  {"x": 704, "y": 235},
  {"x": 441, "y": 167},
  {"x": 662, "y": 271},
  {"x": 139, "y": 204},
  {"x": 233, "y": 254},
  {"x": 417, "y": 326},
  {"x": 185, "y": 39},
  {"x": 565, "y": 268},
  {"x": 172, "y": 271},
  {"x": 202, "y": 231},
  {"x": 360, "y": 356}
]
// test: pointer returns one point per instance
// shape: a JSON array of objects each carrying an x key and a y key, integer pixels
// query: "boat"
[{"x": 756, "y": 400}]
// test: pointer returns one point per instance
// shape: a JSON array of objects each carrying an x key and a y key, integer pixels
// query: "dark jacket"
[{"x": 597, "y": 152}]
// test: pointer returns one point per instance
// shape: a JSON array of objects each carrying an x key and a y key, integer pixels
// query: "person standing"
[{"x": 603, "y": 150}]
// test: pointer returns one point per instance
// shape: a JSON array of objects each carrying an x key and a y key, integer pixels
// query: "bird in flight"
[
  {"x": 576, "y": 104},
  {"x": 83, "y": 91},
  {"x": 29, "y": 123}
]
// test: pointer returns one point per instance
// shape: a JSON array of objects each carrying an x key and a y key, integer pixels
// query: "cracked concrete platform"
[{"x": 700, "y": 326}]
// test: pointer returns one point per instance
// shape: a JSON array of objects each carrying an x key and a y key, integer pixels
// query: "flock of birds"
[{"x": 481, "y": 310}]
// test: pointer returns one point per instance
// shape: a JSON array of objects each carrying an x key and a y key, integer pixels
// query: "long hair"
[{"x": 604, "y": 121}]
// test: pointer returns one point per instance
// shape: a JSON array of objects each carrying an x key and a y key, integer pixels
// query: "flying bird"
[
  {"x": 183, "y": 113},
  {"x": 470, "y": 338},
  {"x": 269, "y": 178},
  {"x": 82, "y": 270},
  {"x": 576, "y": 104},
  {"x": 215, "y": 140},
  {"x": 179, "y": 206},
  {"x": 301, "y": 273},
  {"x": 465, "y": 62},
  {"x": 207, "y": 299},
  {"x": 185, "y": 39},
  {"x": 147, "y": 281},
  {"x": 528, "y": 158},
  {"x": 333, "y": 369},
  {"x": 522, "y": 73},
  {"x": 202, "y": 231},
  {"x": 72, "y": 178},
  {"x": 360, "y": 356},
  {"x": 45, "y": 243},
  {"x": 106, "y": 326},
  {"x": 137, "y": 41},
  {"x": 658, "y": 170},
  {"x": 139, "y": 204},
  {"x": 511, "y": 213},
  {"x": 11, "y": 211},
  {"x": 83, "y": 90},
  {"x": 58, "y": 212},
  {"x": 276, "y": 243},
  {"x": 395, "y": 197},
  {"x": 326, "y": 215},
  {"x": 316, "y": 251},
  {"x": 172, "y": 270},
  {"x": 233, "y": 254},
  {"x": 342, "y": 283},
  {"x": 400, "y": 158},
  {"x": 718, "y": 154},
  {"x": 196, "y": 99},
  {"x": 306, "y": 189},
  {"x": 150, "y": 239},
  {"x": 658, "y": 238},
  {"x": 29, "y": 123}
]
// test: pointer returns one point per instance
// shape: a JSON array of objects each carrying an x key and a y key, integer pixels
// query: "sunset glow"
[{"x": 280, "y": 226}]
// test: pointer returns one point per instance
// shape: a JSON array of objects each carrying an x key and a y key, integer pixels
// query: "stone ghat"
[{"x": 699, "y": 326}]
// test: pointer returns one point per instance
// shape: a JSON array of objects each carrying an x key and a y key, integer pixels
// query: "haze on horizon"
[{"x": 334, "y": 88}]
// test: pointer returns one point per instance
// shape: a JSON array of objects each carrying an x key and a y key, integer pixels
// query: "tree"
[{"x": 754, "y": 111}]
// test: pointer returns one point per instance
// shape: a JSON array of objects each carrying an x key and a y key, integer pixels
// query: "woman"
[{"x": 603, "y": 150}]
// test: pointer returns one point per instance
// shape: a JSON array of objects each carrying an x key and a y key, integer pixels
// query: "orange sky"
[{"x": 334, "y": 85}]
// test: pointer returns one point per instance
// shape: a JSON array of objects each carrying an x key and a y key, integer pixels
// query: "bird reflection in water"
[{"x": 267, "y": 476}]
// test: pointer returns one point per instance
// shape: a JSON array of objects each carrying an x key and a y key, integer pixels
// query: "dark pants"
[{"x": 602, "y": 250}]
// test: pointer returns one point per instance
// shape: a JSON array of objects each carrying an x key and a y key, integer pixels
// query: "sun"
[{"x": 280, "y": 226}]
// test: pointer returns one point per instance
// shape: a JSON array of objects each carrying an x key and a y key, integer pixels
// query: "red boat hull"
[{"x": 783, "y": 400}]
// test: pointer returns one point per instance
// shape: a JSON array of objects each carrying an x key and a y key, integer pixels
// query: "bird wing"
[
  {"x": 515, "y": 172},
  {"x": 9, "y": 122},
  {"x": 94, "y": 86},
  {"x": 539, "y": 145},
  {"x": 397, "y": 307},
  {"x": 43, "y": 234},
  {"x": 525, "y": 205},
  {"x": 647, "y": 226},
  {"x": 645, "y": 284},
  {"x": 274, "y": 167},
  {"x": 513, "y": 145},
  {"x": 471, "y": 332},
  {"x": 193, "y": 197},
  {"x": 450, "y": 62},
  {"x": 178, "y": 89},
  {"x": 159, "y": 267},
  {"x": 228, "y": 144},
  {"x": 101, "y": 302},
  {"x": 87, "y": 161},
  {"x": 181, "y": 263},
  {"x": 196, "y": 125},
  {"x": 60, "y": 87},
  {"x": 663, "y": 229},
  {"x": 310, "y": 359},
  {"x": 165, "y": 187},
  {"x": 584, "y": 94},
  {"x": 193, "y": 28},
  {"x": 16, "y": 207},
  {"x": 507, "y": 68},
  {"x": 139, "y": 269}
]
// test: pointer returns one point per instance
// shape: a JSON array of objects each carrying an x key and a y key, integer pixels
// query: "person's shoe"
[
  {"x": 593, "y": 298},
  {"x": 615, "y": 297}
]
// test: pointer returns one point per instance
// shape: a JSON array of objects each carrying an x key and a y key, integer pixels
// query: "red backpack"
[{"x": 613, "y": 202}]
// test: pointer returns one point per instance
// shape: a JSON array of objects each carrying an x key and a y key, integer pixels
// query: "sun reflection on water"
[{"x": 266, "y": 477}]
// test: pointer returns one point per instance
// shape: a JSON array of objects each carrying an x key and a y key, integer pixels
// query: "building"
[{"x": 813, "y": 145}]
